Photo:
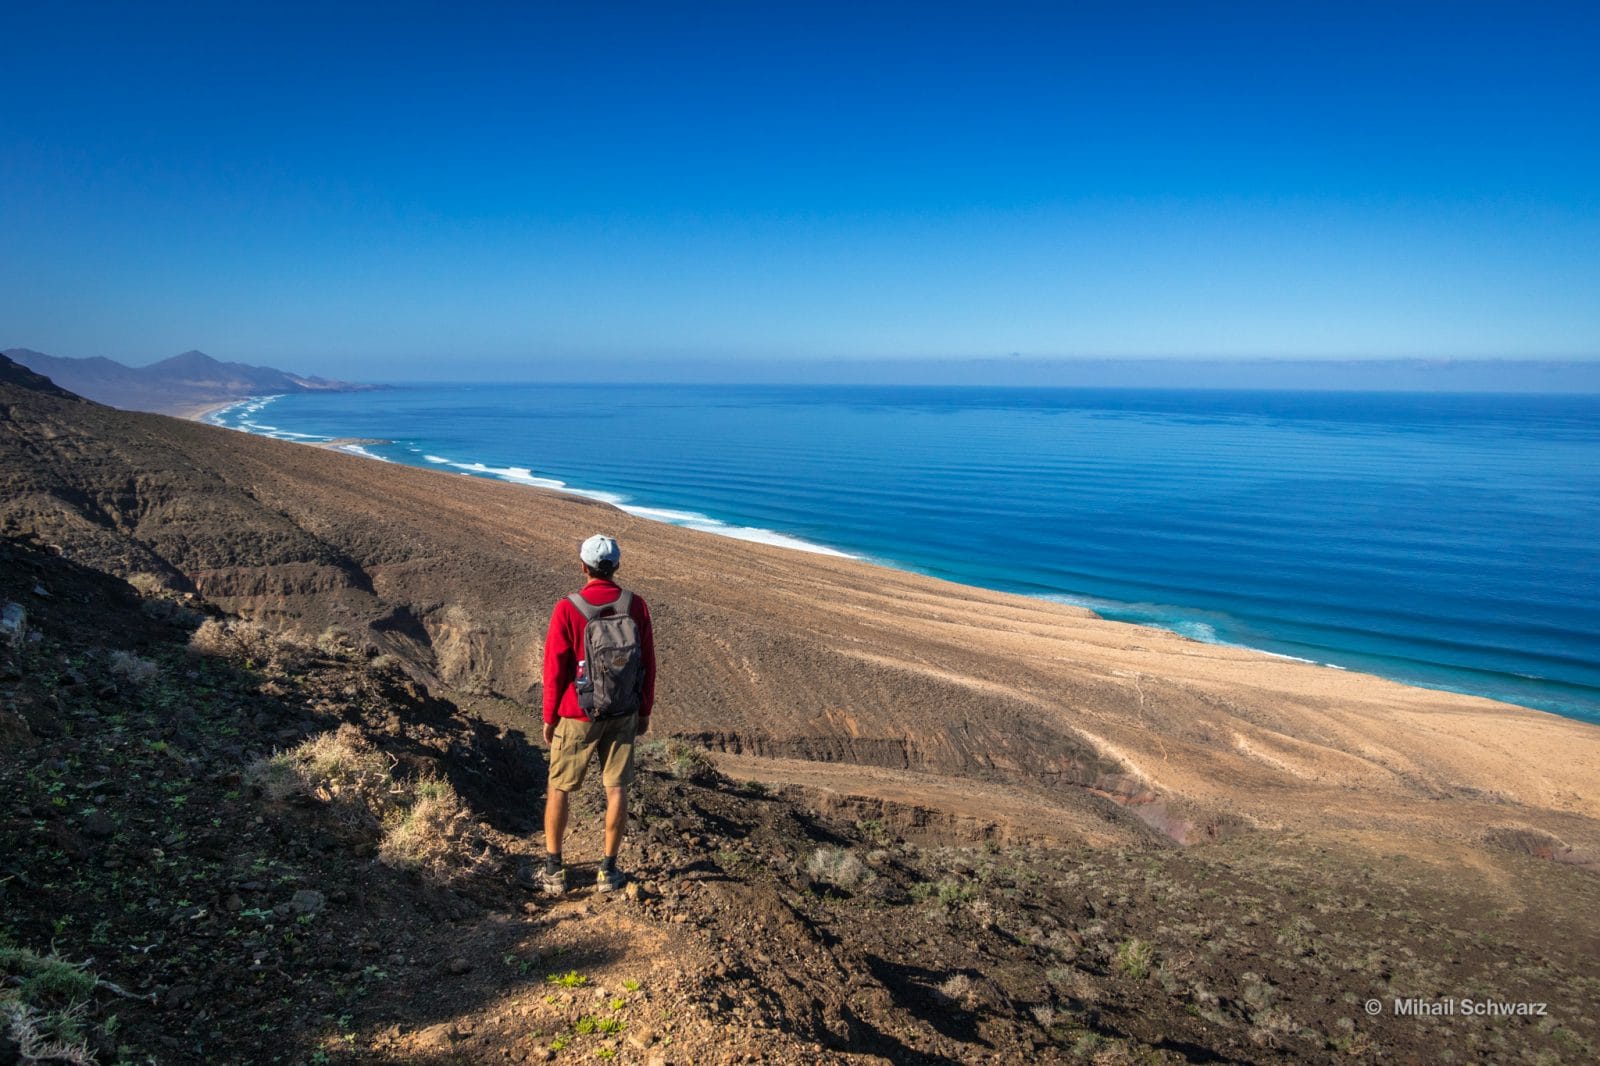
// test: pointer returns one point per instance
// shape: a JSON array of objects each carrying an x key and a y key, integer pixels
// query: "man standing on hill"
[{"x": 599, "y": 686}]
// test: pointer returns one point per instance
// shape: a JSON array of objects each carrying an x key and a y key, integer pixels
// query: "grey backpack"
[{"x": 611, "y": 676}]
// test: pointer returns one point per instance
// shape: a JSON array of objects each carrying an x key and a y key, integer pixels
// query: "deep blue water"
[{"x": 1445, "y": 540}]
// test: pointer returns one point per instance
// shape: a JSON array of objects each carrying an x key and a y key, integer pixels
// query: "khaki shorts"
[{"x": 576, "y": 742}]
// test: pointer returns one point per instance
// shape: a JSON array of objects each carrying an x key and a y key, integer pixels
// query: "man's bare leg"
[
  {"x": 616, "y": 818},
  {"x": 555, "y": 820}
]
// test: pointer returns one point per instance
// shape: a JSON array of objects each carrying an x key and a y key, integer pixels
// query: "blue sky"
[{"x": 411, "y": 190}]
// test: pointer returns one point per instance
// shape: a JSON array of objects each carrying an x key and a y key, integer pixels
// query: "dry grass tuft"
[
  {"x": 436, "y": 834},
  {"x": 689, "y": 764},
  {"x": 147, "y": 584},
  {"x": 956, "y": 991},
  {"x": 423, "y": 825},
  {"x": 961, "y": 991},
  {"x": 234, "y": 638},
  {"x": 134, "y": 668},
  {"x": 43, "y": 1000},
  {"x": 335, "y": 641},
  {"x": 341, "y": 768},
  {"x": 29, "y": 1032},
  {"x": 838, "y": 867}
]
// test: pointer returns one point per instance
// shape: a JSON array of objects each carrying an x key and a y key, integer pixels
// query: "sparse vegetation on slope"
[
  {"x": 281, "y": 853},
  {"x": 270, "y": 840}
]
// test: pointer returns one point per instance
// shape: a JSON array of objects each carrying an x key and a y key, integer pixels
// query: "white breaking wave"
[
  {"x": 245, "y": 411},
  {"x": 521, "y": 475},
  {"x": 707, "y": 524},
  {"x": 1163, "y": 617},
  {"x": 1197, "y": 631},
  {"x": 356, "y": 449},
  {"x": 242, "y": 409},
  {"x": 280, "y": 434}
]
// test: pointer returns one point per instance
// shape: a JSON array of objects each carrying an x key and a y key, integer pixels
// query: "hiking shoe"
[
  {"x": 527, "y": 876},
  {"x": 608, "y": 880},
  {"x": 554, "y": 884}
]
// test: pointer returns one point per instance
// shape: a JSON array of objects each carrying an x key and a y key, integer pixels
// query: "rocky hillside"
[
  {"x": 265, "y": 777},
  {"x": 221, "y": 846},
  {"x": 172, "y": 386}
]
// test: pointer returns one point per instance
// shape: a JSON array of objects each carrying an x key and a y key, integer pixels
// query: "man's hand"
[
  {"x": 643, "y": 727},
  {"x": 549, "y": 733}
]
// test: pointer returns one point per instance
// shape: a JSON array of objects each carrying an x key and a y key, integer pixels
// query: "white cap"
[{"x": 600, "y": 552}]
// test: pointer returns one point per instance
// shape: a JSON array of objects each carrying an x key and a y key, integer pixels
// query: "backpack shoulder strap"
[{"x": 589, "y": 611}]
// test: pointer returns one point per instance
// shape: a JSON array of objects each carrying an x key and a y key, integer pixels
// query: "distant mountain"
[
  {"x": 180, "y": 385},
  {"x": 14, "y": 373}
]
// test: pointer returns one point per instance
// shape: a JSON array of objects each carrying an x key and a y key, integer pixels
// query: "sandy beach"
[{"x": 197, "y": 412}]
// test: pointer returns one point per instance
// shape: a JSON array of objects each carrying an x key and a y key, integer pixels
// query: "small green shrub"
[
  {"x": 956, "y": 893},
  {"x": 1134, "y": 957},
  {"x": 570, "y": 979},
  {"x": 873, "y": 829}
]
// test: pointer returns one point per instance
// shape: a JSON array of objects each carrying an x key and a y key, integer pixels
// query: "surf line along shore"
[
  {"x": 206, "y": 414},
  {"x": 1202, "y": 599},
  {"x": 519, "y": 476}
]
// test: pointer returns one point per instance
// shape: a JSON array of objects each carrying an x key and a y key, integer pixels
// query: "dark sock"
[
  {"x": 552, "y": 862},
  {"x": 608, "y": 863}
]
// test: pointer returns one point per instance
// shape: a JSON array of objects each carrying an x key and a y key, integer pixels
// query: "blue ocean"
[{"x": 1445, "y": 540}]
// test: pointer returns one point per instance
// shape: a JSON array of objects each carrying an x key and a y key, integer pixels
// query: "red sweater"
[{"x": 563, "y": 647}]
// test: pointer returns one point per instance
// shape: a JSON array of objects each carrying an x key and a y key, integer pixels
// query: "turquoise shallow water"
[{"x": 1445, "y": 540}]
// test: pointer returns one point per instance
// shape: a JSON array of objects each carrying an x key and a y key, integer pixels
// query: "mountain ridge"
[{"x": 183, "y": 384}]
